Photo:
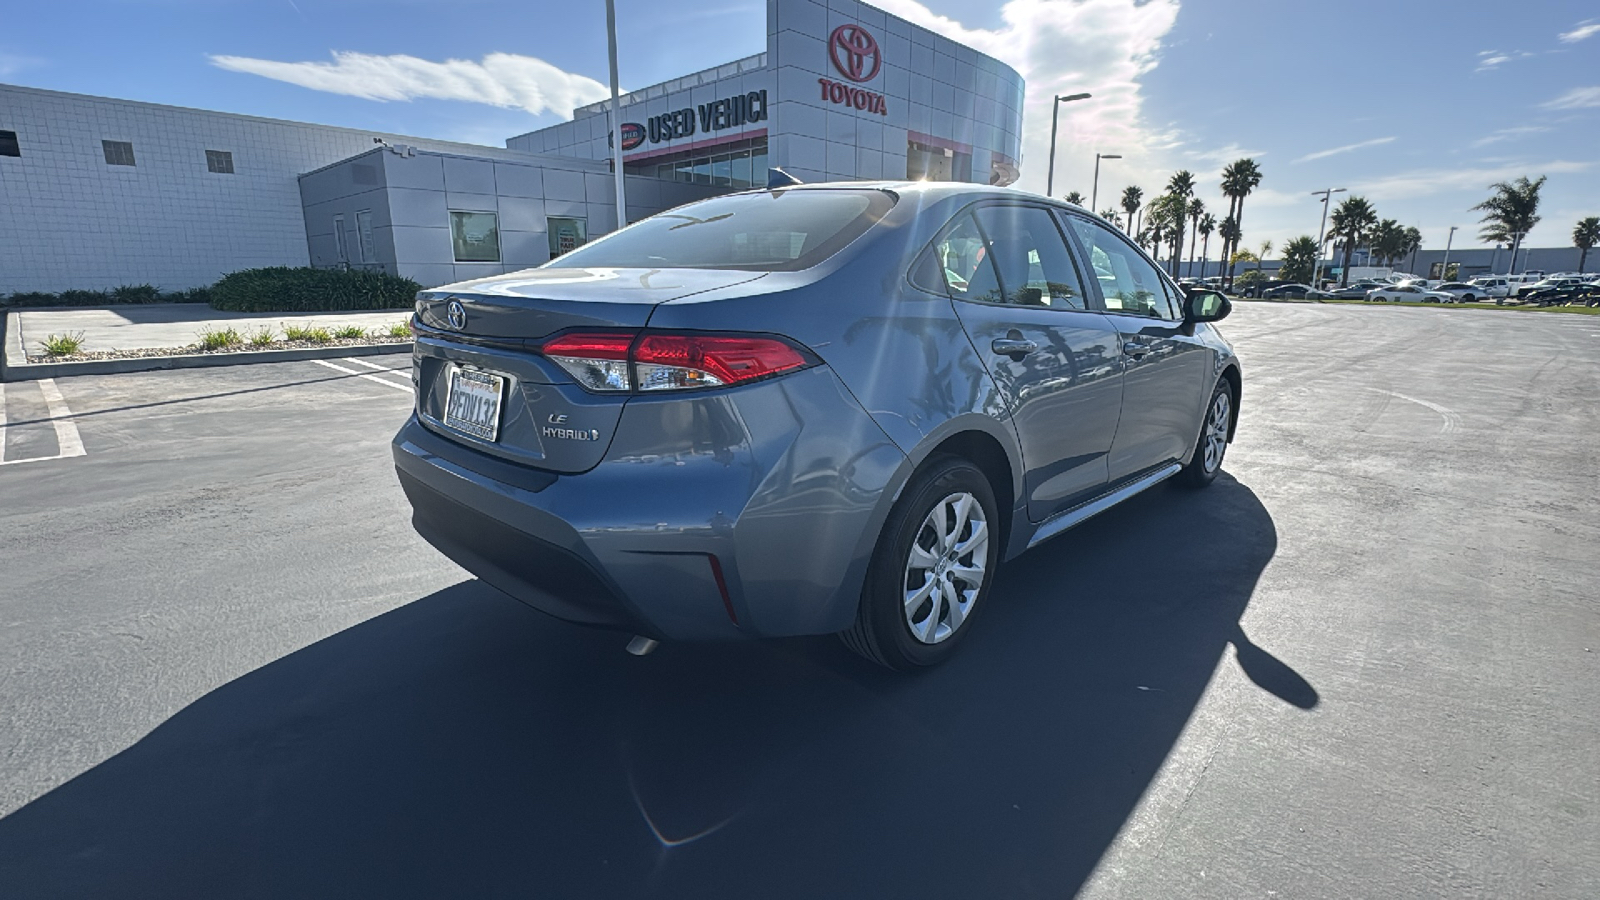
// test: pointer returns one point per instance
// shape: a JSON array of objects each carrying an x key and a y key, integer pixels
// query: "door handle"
[
  {"x": 1012, "y": 346},
  {"x": 1135, "y": 349}
]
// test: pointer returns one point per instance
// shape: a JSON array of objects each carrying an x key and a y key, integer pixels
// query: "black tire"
[
  {"x": 1466, "y": 298},
  {"x": 1199, "y": 473},
  {"x": 881, "y": 631}
]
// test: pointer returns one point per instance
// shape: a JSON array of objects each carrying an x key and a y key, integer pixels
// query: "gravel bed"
[{"x": 194, "y": 349}]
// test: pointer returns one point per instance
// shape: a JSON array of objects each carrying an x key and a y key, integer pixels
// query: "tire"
[
  {"x": 928, "y": 633},
  {"x": 1466, "y": 298},
  {"x": 1212, "y": 446}
]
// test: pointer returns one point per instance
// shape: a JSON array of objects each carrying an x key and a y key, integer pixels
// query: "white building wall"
[{"x": 69, "y": 220}]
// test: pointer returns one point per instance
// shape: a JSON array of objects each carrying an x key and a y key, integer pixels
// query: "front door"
[
  {"x": 1053, "y": 357},
  {"x": 1165, "y": 367}
]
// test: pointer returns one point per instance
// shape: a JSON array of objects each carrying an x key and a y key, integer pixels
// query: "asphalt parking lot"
[{"x": 1362, "y": 664}]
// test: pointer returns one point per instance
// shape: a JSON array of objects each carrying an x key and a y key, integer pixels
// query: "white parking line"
[
  {"x": 373, "y": 378},
  {"x": 68, "y": 441},
  {"x": 372, "y": 365}
]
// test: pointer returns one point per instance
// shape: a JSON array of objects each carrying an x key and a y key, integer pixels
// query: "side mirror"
[{"x": 1206, "y": 306}]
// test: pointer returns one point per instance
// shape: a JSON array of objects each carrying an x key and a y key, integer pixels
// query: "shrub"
[
  {"x": 83, "y": 298},
  {"x": 136, "y": 293},
  {"x": 262, "y": 337},
  {"x": 400, "y": 329},
  {"x": 350, "y": 331},
  {"x": 306, "y": 333},
  {"x": 284, "y": 289},
  {"x": 32, "y": 298},
  {"x": 63, "y": 344},
  {"x": 220, "y": 338},
  {"x": 192, "y": 295}
]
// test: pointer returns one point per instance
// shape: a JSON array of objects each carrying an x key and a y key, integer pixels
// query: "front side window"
[
  {"x": 118, "y": 153},
  {"x": 475, "y": 236},
  {"x": 1128, "y": 281},
  {"x": 1031, "y": 257},
  {"x": 770, "y": 231}
]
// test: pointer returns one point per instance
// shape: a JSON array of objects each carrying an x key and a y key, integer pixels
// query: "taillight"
[
  {"x": 599, "y": 362},
  {"x": 666, "y": 362}
]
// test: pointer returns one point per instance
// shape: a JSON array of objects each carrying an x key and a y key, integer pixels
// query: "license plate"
[{"x": 472, "y": 405}]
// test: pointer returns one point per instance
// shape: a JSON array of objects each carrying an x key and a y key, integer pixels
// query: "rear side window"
[{"x": 772, "y": 231}]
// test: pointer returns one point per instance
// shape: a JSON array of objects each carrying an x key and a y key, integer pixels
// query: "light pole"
[
  {"x": 1094, "y": 193},
  {"x": 616, "y": 115},
  {"x": 1326, "y": 196},
  {"x": 1055, "y": 110},
  {"x": 1444, "y": 267}
]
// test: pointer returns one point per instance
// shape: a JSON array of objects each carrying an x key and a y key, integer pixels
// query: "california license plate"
[{"x": 472, "y": 403}]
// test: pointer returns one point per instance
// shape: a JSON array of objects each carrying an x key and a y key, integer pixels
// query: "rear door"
[
  {"x": 1024, "y": 304},
  {"x": 1165, "y": 368}
]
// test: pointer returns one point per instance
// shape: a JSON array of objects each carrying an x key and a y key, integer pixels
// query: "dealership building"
[{"x": 100, "y": 192}]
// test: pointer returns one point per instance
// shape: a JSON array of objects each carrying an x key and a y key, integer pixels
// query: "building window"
[
  {"x": 476, "y": 236},
  {"x": 566, "y": 234},
  {"x": 339, "y": 240},
  {"x": 364, "y": 234},
  {"x": 740, "y": 164},
  {"x": 9, "y": 145},
  {"x": 118, "y": 153},
  {"x": 219, "y": 161},
  {"x": 926, "y": 163}
]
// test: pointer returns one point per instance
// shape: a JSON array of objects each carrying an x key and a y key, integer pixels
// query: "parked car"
[
  {"x": 1258, "y": 288},
  {"x": 1524, "y": 290},
  {"x": 1285, "y": 291},
  {"x": 1462, "y": 291},
  {"x": 827, "y": 408},
  {"x": 1578, "y": 292},
  {"x": 1493, "y": 287},
  {"x": 1353, "y": 292},
  {"x": 1404, "y": 293}
]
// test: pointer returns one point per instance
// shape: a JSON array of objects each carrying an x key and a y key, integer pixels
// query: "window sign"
[
  {"x": 339, "y": 240},
  {"x": 364, "y": 234},
  {"x": 566, "y": 234},
  {"x": 475, "y": 236}
]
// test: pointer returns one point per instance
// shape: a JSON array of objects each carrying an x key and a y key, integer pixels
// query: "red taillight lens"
[
  {"x": 671, "y": 361},
  {"x": 604, "y": 361}
]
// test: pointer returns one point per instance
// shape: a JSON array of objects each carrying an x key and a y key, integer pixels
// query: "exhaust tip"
[{"x": 642, "y": 646}]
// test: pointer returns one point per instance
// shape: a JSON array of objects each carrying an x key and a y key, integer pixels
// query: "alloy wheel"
[
  {"x": 945, "y": 568},
  {"x": 1217, "y": 430}
]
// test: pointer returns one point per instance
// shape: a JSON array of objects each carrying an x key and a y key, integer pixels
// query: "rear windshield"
[{"x": 771, "y": 231}]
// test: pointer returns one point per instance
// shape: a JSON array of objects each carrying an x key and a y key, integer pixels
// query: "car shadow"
[{"x": 466, "y": 746}]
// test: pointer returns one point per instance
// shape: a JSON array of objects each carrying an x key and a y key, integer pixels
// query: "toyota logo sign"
[
  {"x": 854, "y": 52},
  {"x": 457, "y": 314}
]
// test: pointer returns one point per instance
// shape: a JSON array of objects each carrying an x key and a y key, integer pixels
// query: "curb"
[{"x": 15, "y": 366}]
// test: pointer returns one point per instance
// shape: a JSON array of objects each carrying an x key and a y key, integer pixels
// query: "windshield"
[{"x": 770, "y": 231}]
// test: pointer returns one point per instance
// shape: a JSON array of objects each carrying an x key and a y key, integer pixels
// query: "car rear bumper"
[{"x": 746, "y": 512}]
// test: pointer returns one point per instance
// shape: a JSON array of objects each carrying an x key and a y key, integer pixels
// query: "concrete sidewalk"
[{"x": 169, "y": 325}]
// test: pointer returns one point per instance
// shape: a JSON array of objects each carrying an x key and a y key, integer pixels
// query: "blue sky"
[{"x": 1417, "y": 106}]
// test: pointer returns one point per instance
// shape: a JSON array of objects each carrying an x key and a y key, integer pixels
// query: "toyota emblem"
[
  {"x": 457, "y": 314},
  {"x": 855, "y": 52}
]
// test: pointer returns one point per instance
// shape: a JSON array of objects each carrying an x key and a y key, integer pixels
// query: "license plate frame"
[{"x": 482, "y": 396}]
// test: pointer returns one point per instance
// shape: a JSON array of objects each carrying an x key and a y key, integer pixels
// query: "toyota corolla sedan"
[{"x": 821, "y": 409}]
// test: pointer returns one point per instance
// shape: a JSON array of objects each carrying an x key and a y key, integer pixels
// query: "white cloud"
[
  {"x": 11, "y": 63},
  {"x": 1224, "y": 155},
  {"x": 1577, "y": 98},
  {"x": 1335, "y": 151},
  {"x": 1099, "y": 46},
  {"x": 500, "y": 79},
  {"x": 1508, "y": 134},
  {"x": 1488, "y": 60},
  {"x": 1586, "y": 29},
  {"x": 1422, "y": 182}
]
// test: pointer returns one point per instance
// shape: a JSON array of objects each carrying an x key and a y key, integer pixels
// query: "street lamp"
[
  {"x": 1444, "y": 267},
  {"x": 1055, "y": 109},
  {"x": 1316, "y": 271},
  {"x": 616, "y": 115},
  {"x": 1094, "y": 194}
]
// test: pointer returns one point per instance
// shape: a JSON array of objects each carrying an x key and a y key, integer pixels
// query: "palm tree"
[
  {"x": 1352, "y": 220},
  {"x": 1132, "y": 199},
  {"x": 1388, "y": 241},
  {"x": 1229, "y": 231},
  {"x": 1584, "y": 236},
  {"x": 1413, "y": 243},
  {"x": 1204, "y": 227},
  {"x": 1299, "y": 259},
  {"x": 1266, "y": 251},
  {"x": 1110, "y": 215},
  {"x": 1510, "y": 213},
  {"x": 1239, "y": 178},
  {"x": 1074, "y": 197},
  {"x": 1180, "y": 187},
  {"x": 1197, "y": 208}
]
